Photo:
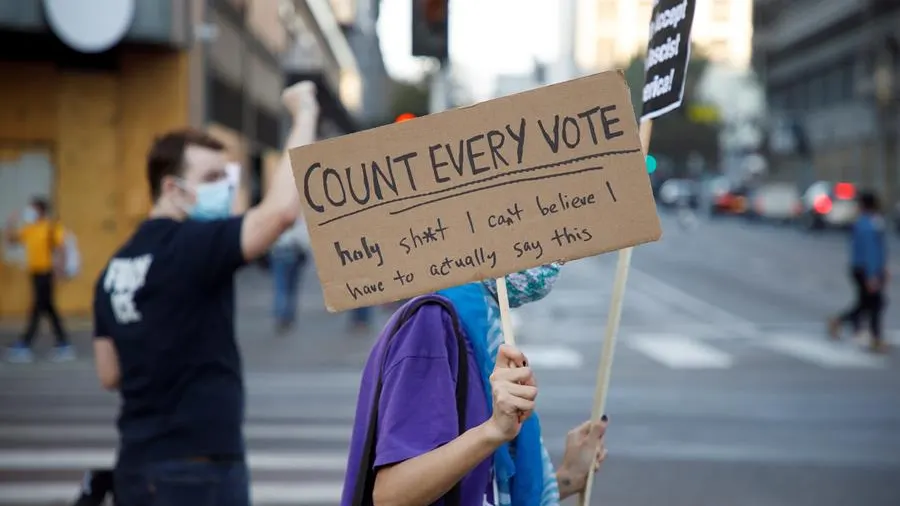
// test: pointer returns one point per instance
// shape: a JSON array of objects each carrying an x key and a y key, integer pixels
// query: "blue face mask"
[
  {"x": 29, "y": 215},
  {"x": 214, "y": 201}
]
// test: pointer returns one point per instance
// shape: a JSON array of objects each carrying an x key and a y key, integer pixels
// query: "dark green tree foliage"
[{"x": 675, "y": 136}]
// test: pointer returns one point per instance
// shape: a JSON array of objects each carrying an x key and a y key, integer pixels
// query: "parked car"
[
  {"x": 677, "y": 191},
  {"x": 828, "y": 205},
  {"x": 728, "y": 198},
  {"x": 776, "y": 202}
]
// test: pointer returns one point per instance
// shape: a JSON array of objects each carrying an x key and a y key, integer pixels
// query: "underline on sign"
[
  {"x": 495, "y": 185},
  {"x": 498, "y": 176}
]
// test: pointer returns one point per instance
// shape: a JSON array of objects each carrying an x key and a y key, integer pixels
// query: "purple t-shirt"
[{"x": 417, "y": 410}]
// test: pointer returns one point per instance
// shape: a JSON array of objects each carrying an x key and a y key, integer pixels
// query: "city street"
[{"x": 725, "y": 389}]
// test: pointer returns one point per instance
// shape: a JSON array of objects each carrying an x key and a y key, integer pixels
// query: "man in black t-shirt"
[{"x": 164, "y": 320}]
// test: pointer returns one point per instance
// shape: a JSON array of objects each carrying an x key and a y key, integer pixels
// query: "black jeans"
[
  {"x": 184, "y": 483},
  {"x": 42, "y": 303},
  {"x": 867, "y": 303}
]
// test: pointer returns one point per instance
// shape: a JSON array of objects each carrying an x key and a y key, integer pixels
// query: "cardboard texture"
[{"x": 478, "y": 192}]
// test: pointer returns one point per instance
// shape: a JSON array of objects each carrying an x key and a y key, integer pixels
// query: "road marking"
[
  {"x": 296, "y": 412},
  {"x": 678, "y": 297},
  {"x": 824, "y": 353},
  {"x": 552, "y": 357},
  {"x": 678, "y": 352},
  {"x": 263, "y": 494},
  {"x": 108, "y": 433},
  {"x": 38, "y": 460}
]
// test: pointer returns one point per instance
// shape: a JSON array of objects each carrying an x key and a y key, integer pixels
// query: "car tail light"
[
  {"x": 844, "y": 191},
  {"x": 822, "y": 204}
]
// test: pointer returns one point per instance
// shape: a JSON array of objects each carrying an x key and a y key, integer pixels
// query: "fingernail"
[{"x": 604, "y": 418}]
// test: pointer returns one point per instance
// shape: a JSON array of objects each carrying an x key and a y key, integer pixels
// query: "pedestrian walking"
[
  {"x": 868, "y": 272},
  {"x": 287, "y": 261},
  {"x": 164, "y": 320},
  {"x": 445, "y": 413},
  {"x": 43, "y": 240}
]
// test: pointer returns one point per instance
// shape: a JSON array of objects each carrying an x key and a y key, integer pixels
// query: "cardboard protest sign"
[
  {"x": 477, "y": 192},
  {"x": 668, "y": 53}
]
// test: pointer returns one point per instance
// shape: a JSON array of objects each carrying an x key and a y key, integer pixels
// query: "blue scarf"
[{"x": 527, "y": 467}]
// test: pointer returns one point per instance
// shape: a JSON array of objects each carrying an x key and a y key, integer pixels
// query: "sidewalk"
[{"x": 320, "y": 340}]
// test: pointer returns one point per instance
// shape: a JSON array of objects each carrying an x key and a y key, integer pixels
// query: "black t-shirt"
[{"x": 166, "y": 299}]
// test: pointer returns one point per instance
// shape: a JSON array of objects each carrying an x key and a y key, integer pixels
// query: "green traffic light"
[{"x": 651, "y": 164}]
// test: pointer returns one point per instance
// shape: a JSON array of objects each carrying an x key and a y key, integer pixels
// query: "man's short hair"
[
  {"x": 41, "y": 205},
  {"x": 166, "y": 157},
  {"x": 868, "y": 202}
]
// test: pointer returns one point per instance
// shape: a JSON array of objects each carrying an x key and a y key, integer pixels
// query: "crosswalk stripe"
[
  {"x": 824, "y": 353},
  {"x": 678, "y": 352},
  {"x": 551, "y": 357},
  {"x": 263, "y": 494},
  {"x": 299, "y": 412},
  {"x": 63, "y": 459},
  {"x": 107, "y": 432}
]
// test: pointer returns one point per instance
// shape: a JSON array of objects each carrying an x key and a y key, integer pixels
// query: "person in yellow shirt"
[{"x": 43, "y": 242}]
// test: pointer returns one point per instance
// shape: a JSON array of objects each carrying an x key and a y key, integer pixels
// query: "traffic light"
[
  {"x": 404, "y": 117},
  {"x": 430, "y": 29},
  {"x": 651, "y": 164}
]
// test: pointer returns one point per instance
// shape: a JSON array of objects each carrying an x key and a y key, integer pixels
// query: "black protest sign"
[{"x": 668, "y": 53}]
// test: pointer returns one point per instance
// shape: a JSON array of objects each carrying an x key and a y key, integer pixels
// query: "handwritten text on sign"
[{"x": 551, "y": 174}]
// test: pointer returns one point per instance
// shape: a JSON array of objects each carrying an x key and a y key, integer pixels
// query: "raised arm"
[{"x": 281, "y": 205}]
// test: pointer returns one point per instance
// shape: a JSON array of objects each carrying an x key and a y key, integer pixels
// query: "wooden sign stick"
[
  {"x": 612, "y": 328},
  {"x": 505, "y": 317}
]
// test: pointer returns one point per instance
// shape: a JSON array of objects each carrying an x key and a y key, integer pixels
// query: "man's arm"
[
  {"x": 281, "y": 205},
  {"x": 870, "y": 242},
  {"x": 59, "y": 248},
  {"x": 106, "y": 361},
  {"x": 106, "y": 357},
  {"x": 11, "y": 232}
]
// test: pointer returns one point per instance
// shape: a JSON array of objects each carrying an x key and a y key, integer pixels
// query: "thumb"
[{"x": 597, "y": 430}]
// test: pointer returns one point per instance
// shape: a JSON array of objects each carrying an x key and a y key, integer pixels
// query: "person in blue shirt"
[{"x": 868, "y": 269}]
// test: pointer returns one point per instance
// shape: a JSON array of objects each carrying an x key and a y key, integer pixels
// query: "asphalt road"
[{"x": 724, "y": 390}]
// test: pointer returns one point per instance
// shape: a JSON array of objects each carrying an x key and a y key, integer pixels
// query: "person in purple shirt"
[{"x": 445, "y": 410}]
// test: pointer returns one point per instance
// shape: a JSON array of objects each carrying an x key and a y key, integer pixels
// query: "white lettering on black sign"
[{"x": 668, "y": 53}]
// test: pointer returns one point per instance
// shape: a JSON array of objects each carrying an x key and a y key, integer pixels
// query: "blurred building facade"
[
  {"x": 76, "y": 127},
  {"x": 610, "y": 32},
  {"x": 831, "y": 70}
]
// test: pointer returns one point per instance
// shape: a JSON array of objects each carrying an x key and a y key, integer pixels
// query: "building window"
[
  {"x": 833, "y": 92},
  {"x": 816, "y": 91},
  {"x": 645, "y": 11},
  {"x": 718, "y": 50},
  {"x": 608, "y": 10},
  {"x": 606, "y": 49},
  {"x": 721, "y": 10}
]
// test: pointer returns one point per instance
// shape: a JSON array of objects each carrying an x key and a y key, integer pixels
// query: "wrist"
[
  {"x": 491, "y": 435},
  {"x": 569, "y": 482}
]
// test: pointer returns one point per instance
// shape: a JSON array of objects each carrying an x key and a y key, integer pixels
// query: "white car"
[
  {"x": 777, "y": 201},
  {"x": 829, "y": 205}
]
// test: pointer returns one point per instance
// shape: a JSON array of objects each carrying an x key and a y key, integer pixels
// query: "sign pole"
[
  {"x": 505, "y": 317},
  {"x": 665, "y": 73},
  {"x": 604, "y": 369}
]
